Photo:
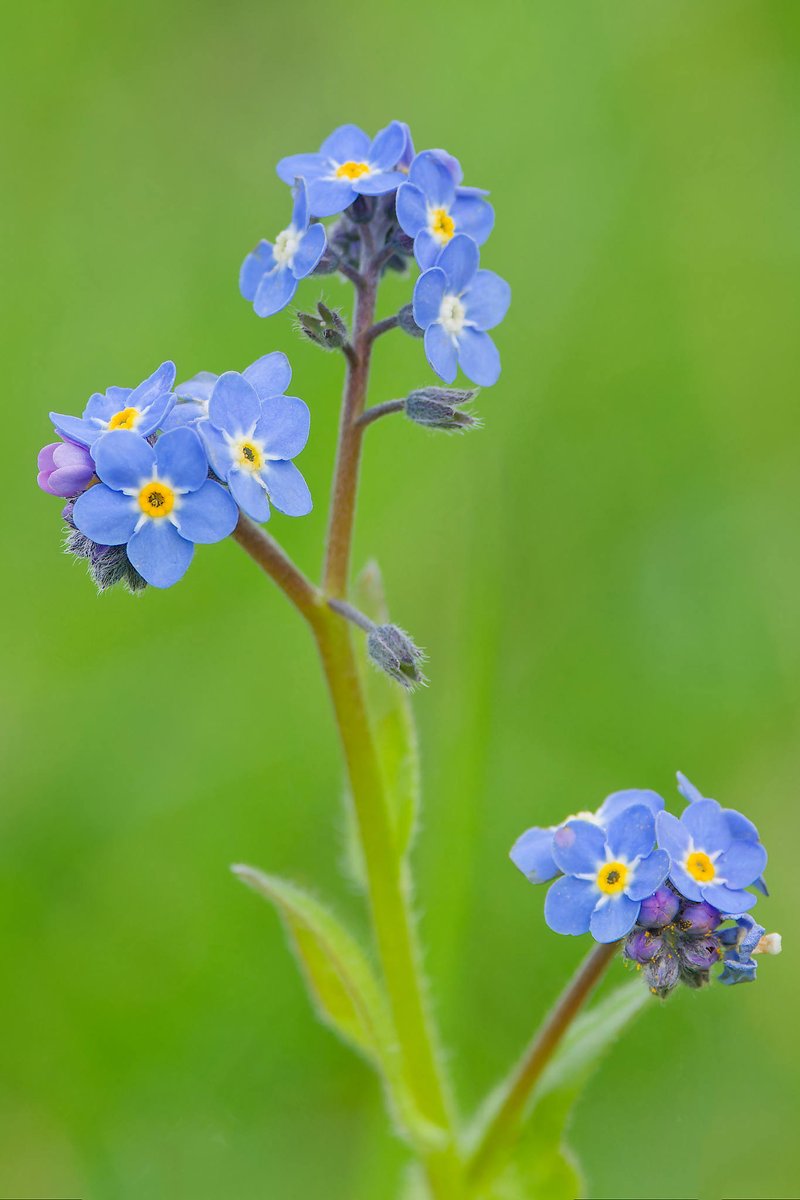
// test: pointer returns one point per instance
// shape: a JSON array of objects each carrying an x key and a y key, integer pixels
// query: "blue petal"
[
  {"x": 378, "y": 184},
  {"x": 728, "y": 900},
  {"x": 441, "y": 352},
  {"x": 105, "y": 516},
  {"x": 159, "y": 553},
  {"x": 684, "y": 883},
  {"x": 487, "y": 299},
  {"x": 412, "y": 211},
  {"x": 208, "y": 515},
  {"x": 428, "y": 293},
  {"x": 569, "y": 904},
  {"x": 740, "y": 826},
  {"x": 155, "y": 414},
  {"x": 632, "y": 833},
  {"x": 307, "y": 166},
  {"x": 155, "y": 386},
  {"x": 452, "y": 163},
  {"x": 217, "y": 448},
  {"x": 673, "y": 836},
  {"x": 614, "y": 918},
  {"x": 309, "y": 252},
  {"x": 473, "y": 215},
  {"x": 426, "y": 249},
  {"x": 649, "y": 875},
  {"x": 199, "y": 387},
  {"x": 532, "y": 853},
  {"x": 688, "y": 790},
  {"x": 76, "y": 429},
  {"x": 300, "y": 206},
  {"x": 478, "y": 357},
  {"x": 407, "y": 157},
  {"x": 270, "y": 375},
  {"x": 103, "y": 406},
  {"x": 181, "y": 459},
  {"x": 287, "y": 488},
  {"x": 741, "y": 864},
  {"x": 234, "y": 404},
  {"x": 388, "y": 147},
  {"x": 274, "y": 292},
  {"x": 579, "y": 848},
  {"x": 432, "y": 177},
  {"x": 255, "y": 266},
  {"x": 459, "y": 261},
  {"x": 707, "y": 825},
  {"x": 327, "y": 197},
  {"x": 348, "y": 143},
  {"x": 283, "y": 426},
  {"x": 123, "y": 459},
  {"x": 249, "y": 494},
  {"x": 188, "y": 412},
  {"x": 617, "y": 802}
]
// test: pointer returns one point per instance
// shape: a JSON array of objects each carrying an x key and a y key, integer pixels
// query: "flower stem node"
[
  {"x": 393, "y": 651},
  {"x": 435, "y": 408}
]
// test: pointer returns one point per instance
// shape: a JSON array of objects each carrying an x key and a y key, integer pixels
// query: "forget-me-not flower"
[
  {"x": 432, "y": 210},
  {"x": 157, "y": 501},
  {"x": 607, "y": 874},
  {"x": 251, "y": 439},
  {"x": 739, "y": 825},
  {"x": 348, "y": 165},
  {"x": 270, "y": 273},
  {"x": 142, "y": 409},
  {"x": 455, "y": 303},
  {"x": 270, "y": 375}
]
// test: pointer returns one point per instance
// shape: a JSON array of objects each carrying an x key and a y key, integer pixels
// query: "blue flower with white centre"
[
  {"x": 270, "y": 273},
  {"x": 532, "y": 852},
  {"x": 432, "y": 210},
  {"x": 739, "y": 825},
  {"x": 142, "y": 409},
  {"x": 709, "y": 862},
  {"x": 607, "y": 875},
  {"x": 348, "y": 165},
  {"x": 270, "y": 375},
  {"x": 455, "y": 303},
  {"x": 157, "y": 501},
  {"x": 250, "y": 442}
]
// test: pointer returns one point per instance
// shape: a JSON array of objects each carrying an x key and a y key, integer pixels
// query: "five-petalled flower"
[
  {"x": 251, "y": 434},
  {"x": 270, "y": 273},
  {"x": 432, "y": 210},
  {"x": 607, "y": 874},
  {"x": 455, "y": 303},
  {"x": 157, "y": 501},
  {"x": 142, "y": 409},
  {"x": 348, "y": 165}
]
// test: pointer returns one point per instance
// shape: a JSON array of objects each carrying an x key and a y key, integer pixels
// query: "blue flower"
[
  {"x": 738, "y": 824},
  {"x": 431, "y": 209},
  {"x": 251, "y": 438},
  {"x": 715, "y": 853},
  {"x": 349, "y": 165},
  {"x": 533, "y": 850},
  {"x": 607, "y": 874},
  {"x": 270, "y": 375},
  {"x": 455, "y": 304},
  {"x": 142, "y": 409},
  {"x": 741, "y": 941},
  {"x": 157, "y": 501},
  {"x": 269, "y": 274}
]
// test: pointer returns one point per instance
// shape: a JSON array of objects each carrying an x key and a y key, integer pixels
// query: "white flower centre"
[
  {"x": 452, "y": 314},
  {"x": 286, "y": 244}
]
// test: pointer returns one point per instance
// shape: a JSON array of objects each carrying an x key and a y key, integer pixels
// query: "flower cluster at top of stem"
[{"x": 665, "y": 884}]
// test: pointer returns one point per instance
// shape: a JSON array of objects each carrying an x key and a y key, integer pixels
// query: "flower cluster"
[
  {"x": 153, "y": 471},
  {"x": 414, "y": 205},
  {"x": 667, "y": 886}
]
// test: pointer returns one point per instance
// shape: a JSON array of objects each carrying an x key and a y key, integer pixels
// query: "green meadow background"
[{"x": 607, "y": 577}]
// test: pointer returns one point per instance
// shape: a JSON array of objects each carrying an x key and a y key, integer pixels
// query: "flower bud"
[
  {"x": 641, "y": 946},
  {"x": 662, "y": 974},
  {"x": 394, "y": 652},
  {"x": 332, "y": 318},
  {"x": 699, "y": 953},
  {"x": 659, "y": 909},
  {"x": 435, "y": 408},
  {"x": 65, "y": 469},
  {"x": 362, "y": 210},
  {"x": 319, "y": 332},
  {"x": 696, "y": 920},
  {"x": 405, "y": 320}
]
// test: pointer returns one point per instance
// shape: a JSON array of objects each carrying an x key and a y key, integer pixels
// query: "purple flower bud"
[
  {"x": 662, "y": 974},
  {"x": 641, "y": 946},
  {"x": 699, "y": 953},
  {"x": 697, "y": 920},
  {"x": 659, "y": 909},
  {"x": 65, "y": 469}
]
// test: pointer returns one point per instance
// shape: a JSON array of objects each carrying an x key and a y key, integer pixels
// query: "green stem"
[{"x": 502, "y": 1129}]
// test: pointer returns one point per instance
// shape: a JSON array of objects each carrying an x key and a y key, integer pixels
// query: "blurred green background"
[{"x": 606, "y": 577}]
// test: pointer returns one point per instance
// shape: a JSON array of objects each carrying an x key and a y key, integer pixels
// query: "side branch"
[
  {"x": 380, "y": 410},
  {"x": 383, "y": 327},
  {"x": 265, "y": 551}
]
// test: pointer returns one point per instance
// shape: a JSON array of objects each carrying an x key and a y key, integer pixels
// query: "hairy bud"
[
  {"x": 394, "y": 652},
  {"x": 662, "y": 974},
  {"x": 641, "y": 946},
  {"x": 435, "y": 408},
  {"x": 328, "y": 330},
  {"x": 405, "y": 320}
]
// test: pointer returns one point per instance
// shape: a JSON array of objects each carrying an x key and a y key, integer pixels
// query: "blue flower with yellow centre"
[
  {"x": 251, "y": 438},
  {"x": 432, "y": 209},
  {"x": 455, "y": 303},
  {"x": 270, "y": 273},
  {"x": 739, "y": 825},
  {"x": 157, "y": 501},
  {"x": 348, "y": 165},
  {"x": 270, "y": 375},
  {"x": 607, "y": 874},
  {"x": 142, "y": 409}
]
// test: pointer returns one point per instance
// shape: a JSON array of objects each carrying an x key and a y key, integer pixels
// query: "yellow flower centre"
[
  {"x": 700, "y": 866},
  {"x": 442, "y": 224},
  {"x": 611, "y": 878},
  {"x": 126, "y": 418},
  {"x": 156, "y": 499},
  {"x": 250, "y": 457},
  {"x": 352, "y": 170}
]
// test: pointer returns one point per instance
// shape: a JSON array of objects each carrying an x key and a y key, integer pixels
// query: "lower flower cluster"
[{"x": 673, "y": 890}]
